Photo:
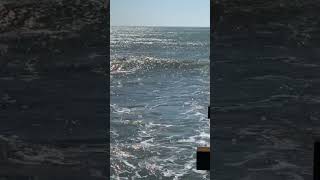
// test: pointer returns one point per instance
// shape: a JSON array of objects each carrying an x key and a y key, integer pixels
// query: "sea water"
[{"x": 159, "y": 97}]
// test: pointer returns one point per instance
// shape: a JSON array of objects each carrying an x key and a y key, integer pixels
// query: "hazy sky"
[{"x": 160, "y": 13}]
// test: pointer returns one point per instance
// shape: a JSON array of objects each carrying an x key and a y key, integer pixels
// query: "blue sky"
[{"x": 192, "y": 13}]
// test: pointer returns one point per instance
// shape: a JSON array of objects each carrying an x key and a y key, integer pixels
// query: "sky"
[{"x": 188, "y": 13}]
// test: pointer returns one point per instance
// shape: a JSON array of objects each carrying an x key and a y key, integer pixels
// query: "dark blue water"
[{"x": 159, "y": 99}]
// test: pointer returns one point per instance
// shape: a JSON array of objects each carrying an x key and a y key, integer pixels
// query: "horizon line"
[{"x": 155, "y": 26}]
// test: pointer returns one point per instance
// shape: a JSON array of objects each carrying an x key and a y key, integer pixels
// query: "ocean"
[{"x": 159, "y": 93}]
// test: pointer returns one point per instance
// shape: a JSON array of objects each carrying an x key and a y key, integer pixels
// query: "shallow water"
[{"x": 159, "y": 98}]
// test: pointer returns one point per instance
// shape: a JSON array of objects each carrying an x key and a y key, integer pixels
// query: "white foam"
[{"x": 128, "y": 164}]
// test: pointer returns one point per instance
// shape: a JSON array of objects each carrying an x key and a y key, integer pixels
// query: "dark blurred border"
[{"x": 54, "y": 95}]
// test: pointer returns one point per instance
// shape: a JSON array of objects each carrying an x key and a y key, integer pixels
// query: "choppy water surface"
[{"x": 159, "y": 99}]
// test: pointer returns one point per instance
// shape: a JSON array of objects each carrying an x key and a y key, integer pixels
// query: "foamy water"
[{"x": 159, "y": 99}]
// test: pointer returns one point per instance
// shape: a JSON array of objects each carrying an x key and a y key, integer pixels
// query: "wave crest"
[{"x": 133, "y": 64}]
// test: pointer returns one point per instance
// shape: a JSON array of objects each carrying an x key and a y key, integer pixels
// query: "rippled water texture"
[
  {"x": 159, "y": 99},
  {"x": 266, "y": 107}
]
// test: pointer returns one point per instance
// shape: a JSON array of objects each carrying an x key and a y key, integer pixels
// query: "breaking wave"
[{"x": 145, "y": 64}]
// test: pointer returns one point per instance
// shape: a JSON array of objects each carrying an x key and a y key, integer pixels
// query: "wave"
[{"x": 144, "y": 64}]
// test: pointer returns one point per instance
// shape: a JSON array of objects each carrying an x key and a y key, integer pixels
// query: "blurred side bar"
[{"x": 316, "y": 161}]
